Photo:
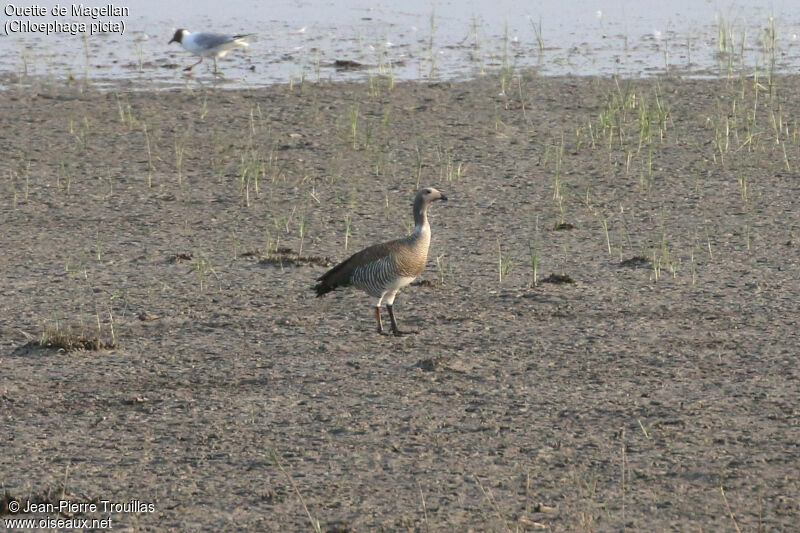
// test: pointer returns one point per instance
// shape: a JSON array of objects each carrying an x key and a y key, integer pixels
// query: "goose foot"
[{"x": 395, "y": 330}]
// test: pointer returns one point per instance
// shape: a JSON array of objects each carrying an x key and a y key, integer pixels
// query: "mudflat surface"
[{"x": 657, "y": 391}]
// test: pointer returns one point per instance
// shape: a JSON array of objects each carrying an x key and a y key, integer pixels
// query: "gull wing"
[{"x": 211, "y": 40}]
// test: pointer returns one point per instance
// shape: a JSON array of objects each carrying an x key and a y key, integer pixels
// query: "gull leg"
[{"x": 190, "y": 67}]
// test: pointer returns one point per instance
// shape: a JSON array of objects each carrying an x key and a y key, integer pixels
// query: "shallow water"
[{"x": 419, "y": 39}]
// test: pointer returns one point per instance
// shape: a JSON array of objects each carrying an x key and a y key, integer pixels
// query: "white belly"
[
  {"x": 388, "y": 296},
  {"x": 398, "y": 284}
]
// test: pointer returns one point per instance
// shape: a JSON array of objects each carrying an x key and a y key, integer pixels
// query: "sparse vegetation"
[
  {"x": 504, "y": 263},
  {"x": 288, "y": 257},
  {"x": 65, "y": 338},
  {"x": 657, "y": 216}
]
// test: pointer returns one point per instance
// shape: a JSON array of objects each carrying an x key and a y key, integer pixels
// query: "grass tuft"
[
  {"x": 558, "y": 278},
  {"x": 64, "y": 339},
  {"x": 635, "y": 261},
  {"x": 287, "y": 256}
]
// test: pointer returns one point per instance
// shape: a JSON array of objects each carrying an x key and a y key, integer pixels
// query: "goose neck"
[{"x": 420, "y": 214}]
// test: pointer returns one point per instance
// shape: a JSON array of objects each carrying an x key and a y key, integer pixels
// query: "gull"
[{"x": 211, "y": 45}]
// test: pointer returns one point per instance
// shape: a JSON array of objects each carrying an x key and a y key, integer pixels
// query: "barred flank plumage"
[
  {"x": 374, "y": 268},
  {"x": 341, "y": 274}
]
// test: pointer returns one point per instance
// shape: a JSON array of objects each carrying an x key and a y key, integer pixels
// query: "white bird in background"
[{"x": 211, "y": 45}]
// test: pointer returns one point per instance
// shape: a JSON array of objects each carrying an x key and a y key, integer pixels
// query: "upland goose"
[
  {"x": 383, "y": 269},
  {"x": 211, "y": 45}
]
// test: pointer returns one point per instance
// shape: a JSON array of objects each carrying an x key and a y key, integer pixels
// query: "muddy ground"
[{"x": 659, "y": 390}]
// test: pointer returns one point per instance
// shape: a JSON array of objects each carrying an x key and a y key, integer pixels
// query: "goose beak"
[{"x": 443, "y": 198}]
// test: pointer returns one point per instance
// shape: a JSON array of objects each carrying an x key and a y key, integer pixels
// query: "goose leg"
[
  {"x": 378, "y": 319},
  {"x": 395, "y": 330},
  {"x": 190, "y": 67}
]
